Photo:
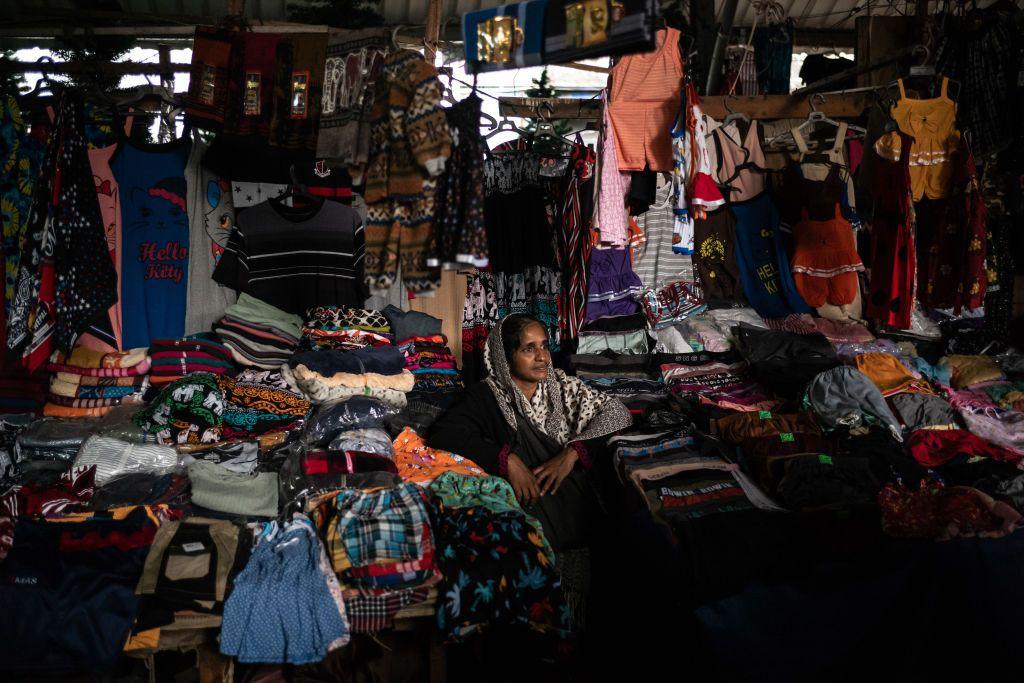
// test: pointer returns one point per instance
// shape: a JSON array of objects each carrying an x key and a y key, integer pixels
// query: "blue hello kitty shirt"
[{"x": 154, "y": 239}]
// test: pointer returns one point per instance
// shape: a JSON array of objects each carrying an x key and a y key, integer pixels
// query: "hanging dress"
[
  {"x": 764, "y": 269},
  {"x": 825, "y": 262},
  {"x": 932, "y": 125}
]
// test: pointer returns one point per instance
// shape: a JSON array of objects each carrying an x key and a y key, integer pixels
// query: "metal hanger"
[{"x": 44, "y": 80}]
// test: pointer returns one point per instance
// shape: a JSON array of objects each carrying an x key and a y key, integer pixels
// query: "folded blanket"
[
  {"x": 318, "y": 392},
  {"x": 403, "y": 381},
  {"x": 139, "y": 369},
  {"x": 93, "y": 402},
  {"x": 88, "y": 358},
  {"x": 60, "y": 387},
  {"x": 93, "y": 381},
  {"x": 384, "y": 360},
  {"x": 52, "y": 410}
]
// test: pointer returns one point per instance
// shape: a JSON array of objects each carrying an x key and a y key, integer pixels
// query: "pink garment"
[
  {"x": 110, "y": 211},
  {"x": 612, "y": 187},
  {"x": 838, "y": 332}
]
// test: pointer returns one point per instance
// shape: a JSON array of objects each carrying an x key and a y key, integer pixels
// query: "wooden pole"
[{"x": 433, "y": 30}]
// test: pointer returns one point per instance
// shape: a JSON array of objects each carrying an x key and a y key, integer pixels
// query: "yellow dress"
[{"x": 932, "y": 124}]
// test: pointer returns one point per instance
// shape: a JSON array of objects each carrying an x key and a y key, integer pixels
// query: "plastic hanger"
[
  {"x": 733, "y": 115},
  {"x": 505, "y": 125}
]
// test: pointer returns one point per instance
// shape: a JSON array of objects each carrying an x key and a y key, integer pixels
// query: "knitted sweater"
[{"x": 409, "y": 136}]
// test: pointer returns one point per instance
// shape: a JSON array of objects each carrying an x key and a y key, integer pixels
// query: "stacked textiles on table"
[
  {"x": 343, "y": 328},
  {"x": 437, "y": 379},
  {"x": 381, "y": 545},
  {"x": 174, "y": 358},
  {"x": 258, "y": 334},
  {"x": 261, "y": 401},
  {"x": 90, "y": 383},
  {"x": 677, "y": 481},
  {"x": 371, "y": 371}
]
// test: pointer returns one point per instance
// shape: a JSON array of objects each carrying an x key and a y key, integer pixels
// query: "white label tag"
[{"x": 193, "y": 547}]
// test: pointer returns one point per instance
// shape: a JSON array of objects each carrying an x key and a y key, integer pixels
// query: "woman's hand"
[
  {"x": 551, "y": 474},
  {"x": 522, "y": 480}
]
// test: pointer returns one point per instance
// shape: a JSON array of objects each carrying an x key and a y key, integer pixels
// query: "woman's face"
[{"x": 531, "y": 359}]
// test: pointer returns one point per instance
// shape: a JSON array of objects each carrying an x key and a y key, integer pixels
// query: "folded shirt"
[
  {"x": 113, "y": 458},
  {"x": 139, "y": 369},
  {"x": 259, "y": 313},
  {"x": 384, "y": 360}
]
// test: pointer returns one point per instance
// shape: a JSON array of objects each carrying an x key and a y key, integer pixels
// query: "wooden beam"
[
  {"x": 849, "y": 105},
  {"x": 842, "y": 105},
  {"x": 554, "y": 107}
]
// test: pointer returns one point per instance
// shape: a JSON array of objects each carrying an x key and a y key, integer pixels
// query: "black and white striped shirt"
[{"x": 295, "y": 258}]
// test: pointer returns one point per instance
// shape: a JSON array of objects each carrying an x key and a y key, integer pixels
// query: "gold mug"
[{"x": 497, "y": 38}]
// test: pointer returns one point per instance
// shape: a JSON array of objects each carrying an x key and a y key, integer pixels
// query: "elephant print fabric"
[
  {"x": 154, "y": 250},
  {"x": 189, "y": 410}
]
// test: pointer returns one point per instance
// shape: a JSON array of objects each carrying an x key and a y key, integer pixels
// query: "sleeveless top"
[
  {"x": 741, "y": 165},
  {"x": 644, "y": 99},
  {"x": 932, "y": 125}
]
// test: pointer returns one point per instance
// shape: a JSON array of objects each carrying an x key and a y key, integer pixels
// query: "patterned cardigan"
[{"x": 409, "y": 135}]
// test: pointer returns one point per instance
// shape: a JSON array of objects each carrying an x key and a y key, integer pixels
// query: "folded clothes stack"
[
  {"x": 431, "y": 362},
  {"x": 174, "y": 358},
  {"x": 258, "y": 334},
  {"x": 90, "y": 383},
  {"x": 343, "y": 328},
  {"x": 381, "y": 572},
  {"x": 260, "y": 401},
  {"x": 51, "y": 439},
  {"x": 22, "y": 392},
  {"x": 327, "y": 375}
]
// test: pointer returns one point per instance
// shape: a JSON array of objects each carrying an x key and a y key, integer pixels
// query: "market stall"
[{"x": 342, "y": 362}]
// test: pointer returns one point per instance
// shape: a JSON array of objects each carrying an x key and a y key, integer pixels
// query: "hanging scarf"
[
  {"x": 64, "y": 236},
  {"x": 564, "y": 408}
]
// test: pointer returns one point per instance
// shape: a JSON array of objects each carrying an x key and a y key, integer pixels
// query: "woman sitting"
[{"x": 530, "y": 423}]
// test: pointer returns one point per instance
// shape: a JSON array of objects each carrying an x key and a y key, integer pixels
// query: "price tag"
[
  {"x": 193, "y": 547},
  {"x": 787, "y": 437},
  {"x": 764, "y": 414},
  {"x": 825, "y": 459}
]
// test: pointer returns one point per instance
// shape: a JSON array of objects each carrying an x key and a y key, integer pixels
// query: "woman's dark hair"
[{"x": 512, "y": 329}]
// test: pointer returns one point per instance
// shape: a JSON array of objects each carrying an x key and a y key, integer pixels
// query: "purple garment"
[
  {"x": 848, "y": 351},
  {"x": 612, "y": 285}
]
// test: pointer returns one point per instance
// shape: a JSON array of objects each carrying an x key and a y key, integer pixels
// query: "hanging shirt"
[
  {"x": 154, "y": 239},
  {"x": 296, "y": 257}
]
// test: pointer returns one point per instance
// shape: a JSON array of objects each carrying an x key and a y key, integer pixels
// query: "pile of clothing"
[
  {"x": 260, "y": 401},
  {"x": 371, "y": 371},
  {"x": 89, "y": 383},
  {"x": 174, "y": 358},
  {"x": 381, "y": 545},
  {"x": 258, "y": 334},
  {"x": 343, "y": 328},
  {"x": 437, "y": 378}
]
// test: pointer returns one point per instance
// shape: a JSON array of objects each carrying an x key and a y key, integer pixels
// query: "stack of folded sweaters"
[
  {"x": 174, "y": 358},
  {"x": 433, "y": 367},
  {"x": 258, "y": 334},
  {"x": 90, "y": 383},
  {"x": 342, "y": 328},
  {"x": 373, "y": 371}
]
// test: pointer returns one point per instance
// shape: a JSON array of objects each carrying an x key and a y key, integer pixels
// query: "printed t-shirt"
[{"x": 154, "y": 239}]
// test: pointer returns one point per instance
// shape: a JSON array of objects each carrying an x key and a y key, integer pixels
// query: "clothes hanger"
[
  {"x": 733, "y": 115},
  {"x": 297, "y": 190},
  {"x": 505, "y": 125},
  {"x": 545, "y": 138}
]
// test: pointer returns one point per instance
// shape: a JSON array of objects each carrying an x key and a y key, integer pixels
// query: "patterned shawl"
[
  {"x": 568, "y": 410},
  {"x": 66, "y": 279}
]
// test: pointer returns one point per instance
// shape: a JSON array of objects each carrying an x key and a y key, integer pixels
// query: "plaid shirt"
[{"x": 380, "y": 526}]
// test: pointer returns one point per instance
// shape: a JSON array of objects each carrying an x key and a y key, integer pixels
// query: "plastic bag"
[
  {"x": 373, "y": 440},
  {"x": 355, "y": 412}
]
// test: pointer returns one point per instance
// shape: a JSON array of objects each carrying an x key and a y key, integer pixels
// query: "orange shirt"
[{"x": 645, "y": 98}]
